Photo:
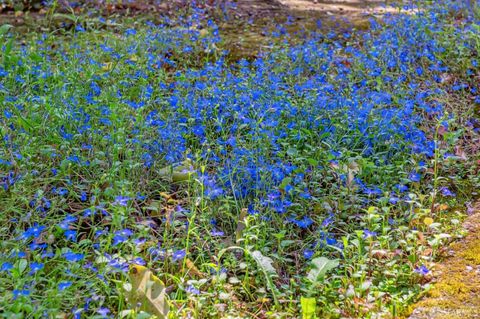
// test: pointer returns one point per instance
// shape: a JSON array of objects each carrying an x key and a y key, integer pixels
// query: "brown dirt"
[
  {"x": 243, "y": 7},
  {"x": 247, "y": 39},
  {"x": 244, "y": 29},
  {"x": 301, "y": 7},
  {"x": 456, "y": 291},
  {"x": 257, "y": 9}
]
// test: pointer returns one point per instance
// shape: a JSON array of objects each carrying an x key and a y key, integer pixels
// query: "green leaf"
[
  {"x": 4, "y": 29},
  {"x": 265, "y": 263},
  {"x": 312, "y": 161},
  {"x": 321, "y": 266},
  {"x": 285, "y": 182},
  {"x": 309, "y": 306},
  {"x": 179, "y": 173},
  {"x": 292, "y": 151},
  {"x": 148, "y": 291},
  {"x": 65, "y": 16},
  {"x": 21, "y": 266}
]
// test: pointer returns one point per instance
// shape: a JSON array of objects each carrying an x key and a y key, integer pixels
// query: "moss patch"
[{"x": 456, "y": 293}]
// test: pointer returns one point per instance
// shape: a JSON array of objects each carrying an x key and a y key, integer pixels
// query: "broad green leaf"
[
  {"x": 285, "y": 182},
  {"x": 148, "y": 291},
  {"x": 179, "y": 173},
  {"x": 4, "y": 29},
  {"x": 240, "y": 225},
  {"x": 65, "y": 16},
  {"x": 309, "y": 306},
  {"x": 265, "y": 263},
  {"x": 312, "y": 161},
  {"x": 21, "y": 266},
  {"x": 321, "y": 266}
]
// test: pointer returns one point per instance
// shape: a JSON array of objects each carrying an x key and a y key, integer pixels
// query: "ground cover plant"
[{"x": 320, "y": 179}]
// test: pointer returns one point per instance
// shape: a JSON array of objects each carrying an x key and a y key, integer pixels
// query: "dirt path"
[
  {"x": 302, "y": 7},
  {"x": 456, "y": 291},
  {"x": 238, "y": 8}
]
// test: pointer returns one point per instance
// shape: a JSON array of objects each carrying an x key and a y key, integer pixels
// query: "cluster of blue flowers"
[{"x": 90, "y": 125}]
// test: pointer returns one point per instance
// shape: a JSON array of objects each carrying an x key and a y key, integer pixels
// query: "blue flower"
[
  {"x": 65, "y": 223},
  {"x": 215, "y": 232},
  {"x": 122, "y": 200},
  {"x": 393, "y": 200},
  {"x": 71, "y": 235},
  {"x": 446, "y": 192},
  {"x": 34, "y": 267},
  {"x": 414, "y": 177},
  {"x": 368, "y": 234},
  {"x": 34, "y": 231},
  {"x": 103, "y": 311},
  {"x": 79, "y": 28},
  {"x": 422, "y": 270},
  {"x": 73, "y": 257},
  {"x": 100, "y": 232},
  {"x": 77, "y": 313},
  {"x": 179, "y": 254},
  {"x": 62, "y": 191},
  {"x": 401, "y": 188},
  {"x": 192, "y": 290},
  {"x": 211, "y": 189},
  {"x": 121, "y": 236},
  {"x": 138, "y": 261},
  {"x": 20, "y": 292},
  {"x": 308, "y": 253},
  {"x": 6, "y": 266},
  {"x": 304, "y": 222},
  {"x": 3, "y": 73},
  {"x": 64, "y": 285},
  {"x": 130, "y": 32}
]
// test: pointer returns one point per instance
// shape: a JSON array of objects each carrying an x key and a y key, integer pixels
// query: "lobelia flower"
[
  {"x": 20, "y": 292},
  {"x": 70, "y": 235},
  {"x": 414, "y": 177},
  {"x": 192, "y": 290},
  {"x": 215, "y": 232},
  {"x": 308, "y": 253},
  {"x": 178, "y": 255},
  {"x": 65, "y": 223},
  {"x": 121, "y": 236},
  {"x": 303, "y": 223},
  {"x": 64, "y": 285},
  {"x": 6, "y": 266},
  {"x": 138, "y": 261},
  {"x": 73, "y": 257},
  {"x": 422, "y": 270},
  {"x": 34, "y": 231},
  {"x": 446, "y": 192},
  {"x": 122, "y": 200},
  {"x": 103, "y": 311},
  {"x": 368, "y": 234},
  {"x": 34, "y": 267}
]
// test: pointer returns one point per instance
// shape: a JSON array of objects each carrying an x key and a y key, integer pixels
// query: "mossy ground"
[{"x": 456, "y": 291}]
